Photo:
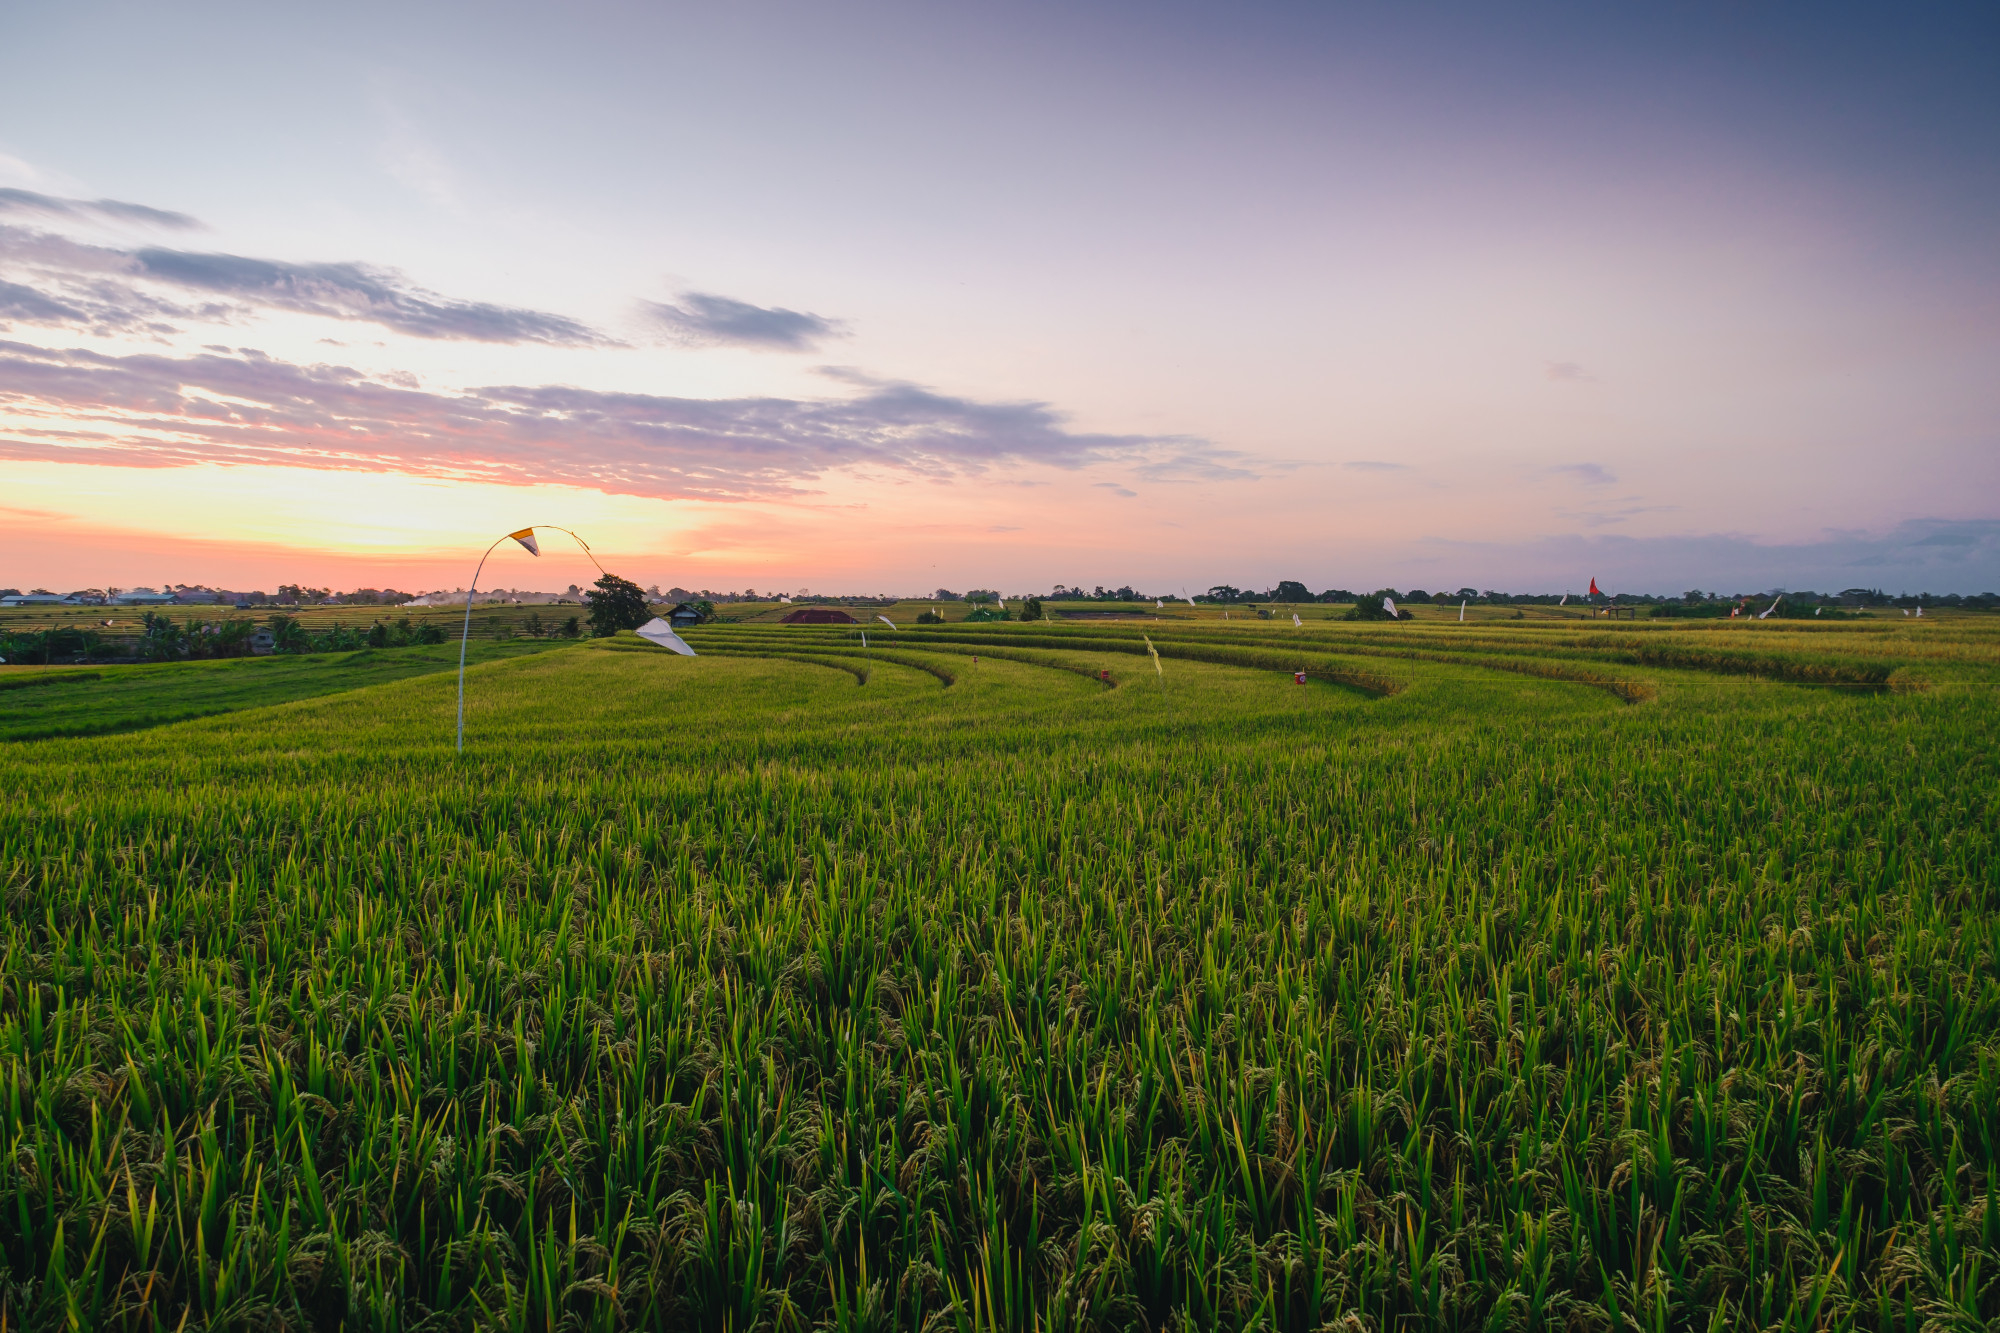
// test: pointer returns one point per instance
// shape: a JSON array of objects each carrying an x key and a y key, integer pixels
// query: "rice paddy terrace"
[{"x": 1013, "y": 977}]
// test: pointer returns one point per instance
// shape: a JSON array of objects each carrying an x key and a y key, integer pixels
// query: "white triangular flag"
[
  {"x": 1920, "y": 613},
  {"x": 864, "y": 638},
  {"x": 1390, "y": 606},
  {"x": 885, "y": 620},
  {"x": 1296, "y": 622},
  {"x": 1564, "y": 601},
  {"x": 659, "y": 631},
  {"x": 1461, "y": 613},
  {"x": 1159, "y": 605}
]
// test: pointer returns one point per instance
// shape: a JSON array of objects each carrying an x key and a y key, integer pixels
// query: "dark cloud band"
[
  {"x": 102, "y": 289},
  {"x": 150, "y": 410}
]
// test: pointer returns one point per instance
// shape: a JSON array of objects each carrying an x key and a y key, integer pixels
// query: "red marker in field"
[{"x": 1299, "y": 676}]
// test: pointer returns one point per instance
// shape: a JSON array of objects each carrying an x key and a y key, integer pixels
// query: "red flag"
[{"x": 1593, "y": 589}]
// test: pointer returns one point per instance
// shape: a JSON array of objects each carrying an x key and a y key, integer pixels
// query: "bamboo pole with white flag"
[{"x": 526, "y": 536}]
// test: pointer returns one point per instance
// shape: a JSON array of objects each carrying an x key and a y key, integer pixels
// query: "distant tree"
[
  {"x": 10, "y": 592},
  {"x": 1033, "y": 609},
  {"x": 615, "y": 604},
  {"x": 1371, "y": 607},
  {"x": 1222, "y": 592},
  {"x": 288, "y": 635},
  {"x": 944, "y": 595},
  {"x": 232, "y": 638},
  {"x": 1289, "y": 590},
  {"x": 929, "y": 617},
  {"x": 982, "y": 596},
  {"x": 160, "y": 639},
  {"x": 430, "y": 632}
]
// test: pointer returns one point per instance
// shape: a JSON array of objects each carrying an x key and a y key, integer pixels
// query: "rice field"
[{"x": 1531, "y": 976}]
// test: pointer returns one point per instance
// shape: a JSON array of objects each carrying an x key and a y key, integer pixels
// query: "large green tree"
[{"x": 616, "y": 604}]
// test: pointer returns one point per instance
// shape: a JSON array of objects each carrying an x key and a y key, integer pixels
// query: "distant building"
[
  {"x": 818, "y": 615},
  {"x": 262, "y": 641},
  {"x": 143, "y": 597},
  {"x": 683, "y": 615},
  {"x": 35, "y": 599}
]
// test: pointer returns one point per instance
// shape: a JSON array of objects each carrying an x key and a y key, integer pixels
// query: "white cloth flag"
[
  {"x": 1564, "y": 601},
  {"x": 885, "y": 620},
  {"x": 1389, "y": 605},
  {"x": 659, "y": 631},
  {"x": 1296, "y": 622},
  {"x": 1461, "y": 613},
  {"x": 1766, "y": 612}
]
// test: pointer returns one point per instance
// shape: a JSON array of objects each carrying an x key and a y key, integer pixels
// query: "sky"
[{"x": 895, "y": 296}]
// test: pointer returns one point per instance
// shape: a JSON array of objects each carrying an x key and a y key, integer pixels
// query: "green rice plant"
[{"x": 721, "y": 993}]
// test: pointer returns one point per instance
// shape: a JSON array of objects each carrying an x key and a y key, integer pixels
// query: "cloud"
[
  {"x": 360, "y": 292},
  {"x": 1599, "y": 518},
  {"x": 94, "y": 210},
  {"x": 30, "y": 306},
  {"x": 1370, "y": 465},
  {"x": 1569, "y": 372},
  {"x": 705, "y": 319},
  {"x": 104, "y": 289},
  {"x": 1919, "y": 555},
  {"x": 154, "y": 410},
  {"x": 1594, "y": 474},
  {"x": 1116, "y": 489}
]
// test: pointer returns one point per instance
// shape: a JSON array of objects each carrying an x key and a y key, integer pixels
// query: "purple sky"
[{"x": 889, "y": 296}]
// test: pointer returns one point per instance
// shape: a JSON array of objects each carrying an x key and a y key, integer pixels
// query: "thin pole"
[{"x": 466, "y": 632}]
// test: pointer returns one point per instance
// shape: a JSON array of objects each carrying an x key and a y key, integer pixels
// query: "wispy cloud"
[
  {"x": 1371, "y": 465},
  {"x": 359, "y": 292},
  {"x": 1593, "y": 474},
  {"x": 1568, "y": 372},
  {"x": 154, "y": 410},
  {"x": 92, "y": 210},
  {"x": 1931, "y": 554},
  {"x": 1116, "y": 489},
  {"x": 705, "y": 319},
  {"x": 102, "y": 288}
]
